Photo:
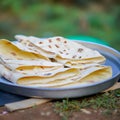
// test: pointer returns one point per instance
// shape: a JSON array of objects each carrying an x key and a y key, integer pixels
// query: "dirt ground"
[{"x": 46, "y": 112}]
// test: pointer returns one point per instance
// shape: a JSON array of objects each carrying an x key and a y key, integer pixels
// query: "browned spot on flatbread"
[
  {"x": 58, "y": 39},
  {"x": 21, "y": 69},
  {"x": 65, "y": 41},
  {"x": 74, "y": 56},
  {"x": 57, "y": 46},
  {"x": 50, "y": 40},
  {"x": 80, "y": 50},
  {"x": 40, "y": 42},
  {"x": 49, "y": 46},
  {"x": 52, "y": 60},
  {"x": 8, "y": 43},
  {"x": 61, "y": 52},
  {"x": 42, "y": 67},
  {"x": 13, "y": 53}
]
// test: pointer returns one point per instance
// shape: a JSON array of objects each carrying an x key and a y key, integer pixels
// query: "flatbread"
[
  {"x": 25, "y": 44},
  {"x": 10, "y": 51},
  {"x": 63, "y": 77},
  {"x": 41, "y": 65},
  {"x": 95, "y": 77},
  {"x": 65, "y": 51},
  {"x": 27, "y": 78},
  {"x": 52, "y": 62},
  {"x": 62, "y": 47},
  {"x": 85, "y": 76}
]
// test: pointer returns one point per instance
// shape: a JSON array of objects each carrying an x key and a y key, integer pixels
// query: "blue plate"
[{"x": 112, "y": 59}]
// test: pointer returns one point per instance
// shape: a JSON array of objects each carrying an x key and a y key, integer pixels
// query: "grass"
[
  {"x": 45, "y": 20},
  {"x": 108, "y": 101}
]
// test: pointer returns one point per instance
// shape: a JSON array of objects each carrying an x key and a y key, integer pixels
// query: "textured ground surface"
[{"x": 46, "y": 112}]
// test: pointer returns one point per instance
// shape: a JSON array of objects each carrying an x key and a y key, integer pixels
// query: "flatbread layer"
[
  {"x": 65, "y": 51},
  {"x": 9, "y": 51}
]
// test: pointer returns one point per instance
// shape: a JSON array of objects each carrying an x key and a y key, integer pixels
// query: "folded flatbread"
[
  {"x": 65, "y": 51},
  {"x": 23, "y": 61},
  {"x": 9, "y": 51},
  {"x": 89, "y": 75},
  {"x": 37, "y": 78},
  {"x": 62, "y": 77},
  {"x": 93, "y": 77},
  {"x": 52, "y": 62},
  {"x": 30, "y": 65},
  {"x": 31, "y": 46}
]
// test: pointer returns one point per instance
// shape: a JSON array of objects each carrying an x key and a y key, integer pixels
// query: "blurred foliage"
[{"x": 44, "y": 18}]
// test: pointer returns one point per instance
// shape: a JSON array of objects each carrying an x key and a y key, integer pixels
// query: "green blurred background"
[{"x": 99, "y": 19}]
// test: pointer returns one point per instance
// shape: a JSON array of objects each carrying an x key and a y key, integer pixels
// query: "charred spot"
[
  {"x": 61, "y": 52},
  {"x": 50, "y": 40},
  {"x": 74, "y": 56},
  {"x": 81, "y": 69},
  {"x": 21, "y": 69},
  {"x": 49, "y": 46},
  {"x": 57, "y": 46},
  {"x": 40, "y": 42},
  {"x": 52, "y": 60},
  {"x": 67, "y": 53},
  {"x": 65, "y": 41},
  {"x": 58, "y": 39},
  {"x": 14, "y": 54},
  {"x": 42, "y": 67},
  {"x": 66, "y": 66},
  {"x": 80, "y": 50}
]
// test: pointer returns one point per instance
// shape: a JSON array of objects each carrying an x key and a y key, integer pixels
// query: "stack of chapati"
[{"x": 50, "y": 62}]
